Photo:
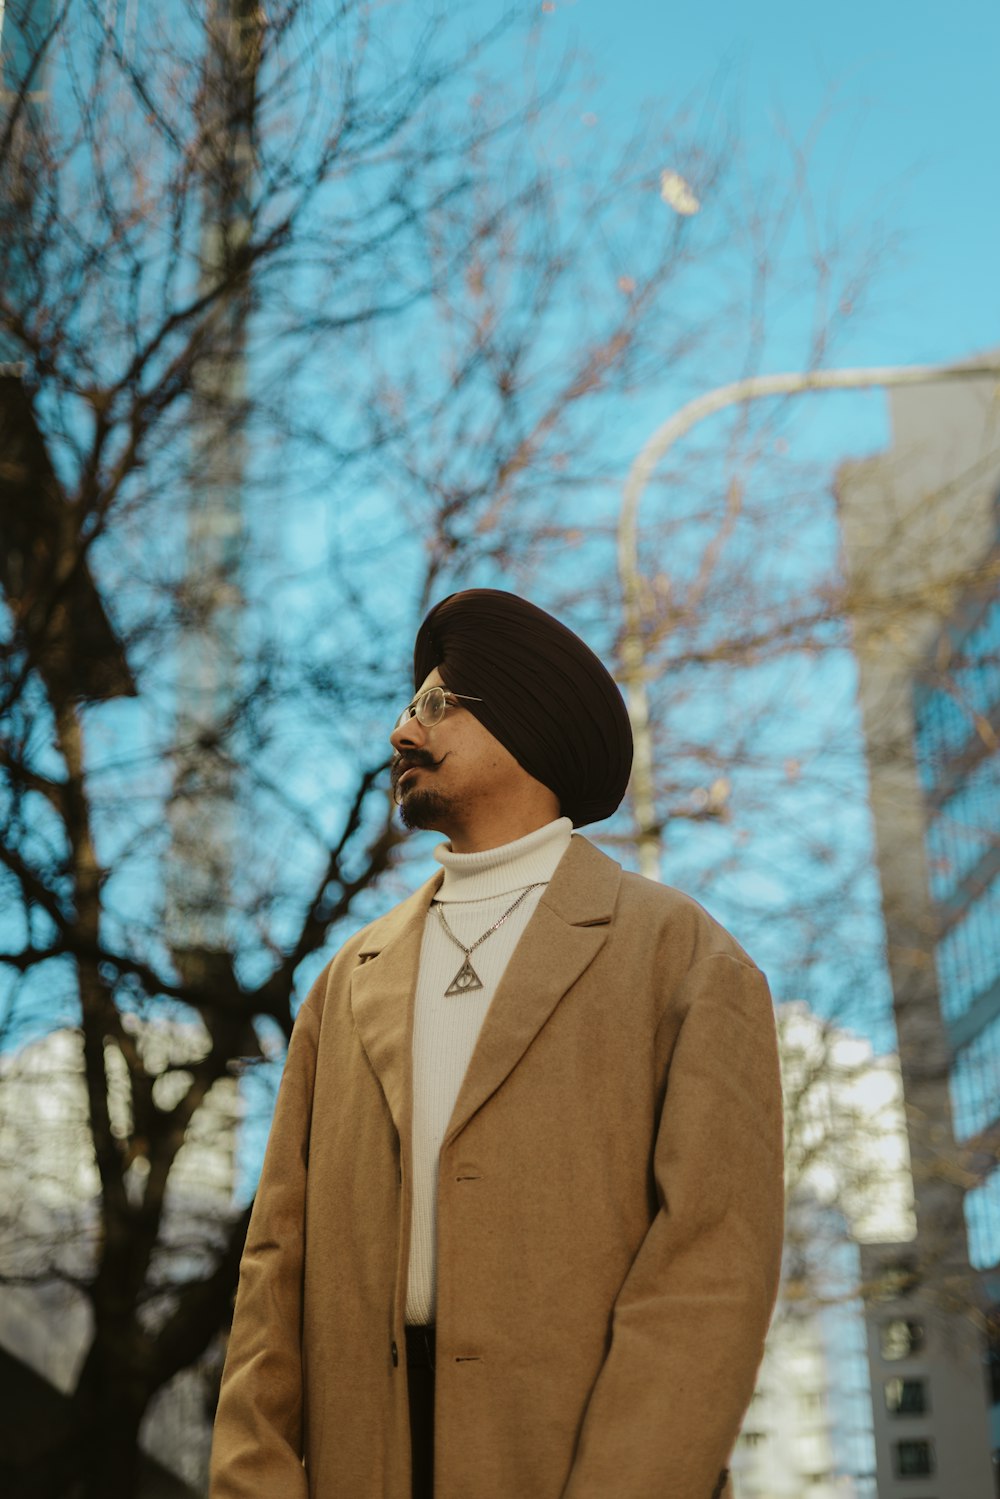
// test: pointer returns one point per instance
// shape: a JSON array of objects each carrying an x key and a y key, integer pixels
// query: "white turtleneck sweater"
[{"x": 476, "y": 890}]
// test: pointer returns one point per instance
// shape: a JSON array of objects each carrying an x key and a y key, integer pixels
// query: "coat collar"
[{"x": 567, "y": 930}]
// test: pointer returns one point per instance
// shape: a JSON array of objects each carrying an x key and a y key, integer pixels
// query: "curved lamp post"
[{"x": 753, "y": 388}]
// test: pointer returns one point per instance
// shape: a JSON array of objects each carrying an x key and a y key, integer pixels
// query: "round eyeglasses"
[{"x": 428, "y": 707}]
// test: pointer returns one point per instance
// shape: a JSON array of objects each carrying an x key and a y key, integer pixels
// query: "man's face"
[{"x": 449, "y": 776}]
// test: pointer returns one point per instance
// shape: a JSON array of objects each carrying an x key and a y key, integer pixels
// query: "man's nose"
[{"x": 409, "y": 735}]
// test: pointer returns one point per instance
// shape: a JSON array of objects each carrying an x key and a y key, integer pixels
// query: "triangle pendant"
[{"x": 465, "y": 980}]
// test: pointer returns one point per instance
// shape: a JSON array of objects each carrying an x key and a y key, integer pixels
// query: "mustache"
[{"x": 413, "y": 759}]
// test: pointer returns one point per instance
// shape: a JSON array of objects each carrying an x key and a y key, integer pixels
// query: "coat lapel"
[
  {"x": 565, "y": 934},
  {"x": 382, "y": 989}
]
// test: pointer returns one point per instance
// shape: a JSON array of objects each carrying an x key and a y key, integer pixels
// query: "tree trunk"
[{"x": 112, "y": 1404}]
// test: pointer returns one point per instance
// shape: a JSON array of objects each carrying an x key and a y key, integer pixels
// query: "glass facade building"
[
  {"x": 957, "y": 724},
  {"x": 919, "y": 524}
]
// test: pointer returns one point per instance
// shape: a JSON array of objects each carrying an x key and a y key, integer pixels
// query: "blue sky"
[
  {"x": 902, "y": 99},
  {"x": 911, "y": 93}
]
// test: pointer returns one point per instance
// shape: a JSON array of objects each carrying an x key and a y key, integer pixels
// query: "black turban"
[{"x": 545, "y": 695}]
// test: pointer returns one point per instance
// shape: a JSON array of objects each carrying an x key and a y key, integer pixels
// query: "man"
[{"x": 520, "y": 1216}]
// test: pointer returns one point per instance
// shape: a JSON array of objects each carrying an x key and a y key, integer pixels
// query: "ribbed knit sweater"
[{"x": 477, "y": 889}]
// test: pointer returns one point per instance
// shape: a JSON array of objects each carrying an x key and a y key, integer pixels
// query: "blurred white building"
[
  {"x": 49, "y": 1193},
  {"x": 809, "y": 1432}
]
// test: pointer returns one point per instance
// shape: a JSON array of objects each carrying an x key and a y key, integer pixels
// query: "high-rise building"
[
  {"x": 957, "y": 719},
  {"x": 920, "y": 533}
]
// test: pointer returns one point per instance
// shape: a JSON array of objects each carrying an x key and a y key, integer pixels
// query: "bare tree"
[
  {"x": 310, "y": 317},
  {"x": 306, "y": 320}
]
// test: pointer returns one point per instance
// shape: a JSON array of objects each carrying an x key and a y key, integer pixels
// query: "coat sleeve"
[
  {"x": 257, "y": 1441},
  {"x": 689, "y": 1322}
]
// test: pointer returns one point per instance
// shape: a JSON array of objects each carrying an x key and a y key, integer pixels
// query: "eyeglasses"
[{"x": 428, "y": 707}]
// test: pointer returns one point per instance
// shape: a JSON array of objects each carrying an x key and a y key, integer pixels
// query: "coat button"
[{"x": 395, "y": 1354}]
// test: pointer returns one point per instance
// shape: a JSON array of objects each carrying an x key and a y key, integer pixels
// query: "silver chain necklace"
[{"x": 467, "y": 979}]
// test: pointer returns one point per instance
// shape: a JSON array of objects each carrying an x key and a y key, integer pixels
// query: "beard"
[
  {"x": 418, "y": 808},
  {"x": 423, "y": 808}
]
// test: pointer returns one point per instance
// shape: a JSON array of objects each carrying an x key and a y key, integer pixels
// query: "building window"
[
  {"x": 968, "y": 955},
  {"x": 900, "y": 1338},
  {"x": 897, "y": 1279},
  {"x": 962, "y": 832},
  {"x": 914, "y": 1458},
  {"x": 944, "y": 727},
  {"x": 906, "y": 1397},
  {"x": 982, "y": 1217},
  {"x": 946, "y": 713},
  {"x": 993, "y": 1352},
  {"x": 975, "y": 1082}
]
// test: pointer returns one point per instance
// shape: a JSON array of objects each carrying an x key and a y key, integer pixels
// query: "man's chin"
[{"x": 421, "y": 808}]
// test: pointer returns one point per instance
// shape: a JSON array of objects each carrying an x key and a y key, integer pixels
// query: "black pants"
[{"x": 420, "y": 1381}]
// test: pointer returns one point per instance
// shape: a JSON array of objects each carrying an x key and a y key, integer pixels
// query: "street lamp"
[{"x": 633, "y": 662}]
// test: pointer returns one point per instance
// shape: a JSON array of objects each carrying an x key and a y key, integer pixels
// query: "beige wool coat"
[{"x": 609, "y": 1217}]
